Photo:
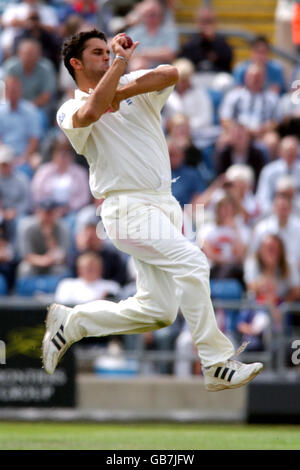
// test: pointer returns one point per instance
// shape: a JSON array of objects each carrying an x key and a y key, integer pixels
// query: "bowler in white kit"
[{"x": 114, "y": 121}]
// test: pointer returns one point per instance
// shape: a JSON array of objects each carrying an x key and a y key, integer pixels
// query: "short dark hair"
[
  {"x": 75, "y": 45},
  {"x": 260, "y": 39}
]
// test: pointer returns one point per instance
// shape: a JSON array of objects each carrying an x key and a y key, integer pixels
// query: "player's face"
[{"x": 95, "y": 58}]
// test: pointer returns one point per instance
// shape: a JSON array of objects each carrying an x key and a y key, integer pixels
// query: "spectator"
[
  {"x": 187, "y": 181},
  {"x": 251, "y": 105},
  {"x": 89, "y": 285},
  {"x": 49, "y": 41},
  {"x": 87, "y": 10},
  {"x": 114, "y": 263},
  {"x": 240, "y": 150},
  {"x": 179, "y": 129},
  {"x": 287, "y": 186},
  {"x": 43, "y": 243},
  {"x": 289, "y": 111},
  {"x": 237, "y": 183},
  {"x": 16, "y": 113},
  {"x": 15, "y": 17},
  {"x": 36, "y": 73},
  {"x": 14, "y": 193},
  {"x": 282, "y": 222},
  {"x": 208, "y": 50},
  {"x": 158, "y": 40},
  {"x": 271, "y": 277},
  {"x": 269, "y": 143},
  {"x": 7, "y": 261},
  {"x": 225, "y": 241},
  {"x": 62, "y": 180},
  {"x": 287, "y": 164},
  {"x": 274, "y": 71},
  {"x": 188, "y": 99}
]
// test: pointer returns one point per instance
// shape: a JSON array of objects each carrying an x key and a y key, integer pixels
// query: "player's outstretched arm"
[
  {"x": 155, "y": 80},
  {"x": 100, "y": 100}
]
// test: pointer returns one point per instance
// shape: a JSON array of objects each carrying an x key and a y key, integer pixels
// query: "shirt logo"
[
  {"x": 129, "y": 101},
  {"x": 61, "y": 117}
]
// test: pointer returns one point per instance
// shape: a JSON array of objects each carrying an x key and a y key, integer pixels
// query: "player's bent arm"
[
  {"x": 100, "y": 100},
  {"x": 158, "y": 79}
]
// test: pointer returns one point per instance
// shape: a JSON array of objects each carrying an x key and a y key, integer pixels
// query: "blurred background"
[{"x": 232, "y": 127}]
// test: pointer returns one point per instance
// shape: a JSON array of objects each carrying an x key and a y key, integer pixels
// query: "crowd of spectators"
[{"x": 233, "y": 139}]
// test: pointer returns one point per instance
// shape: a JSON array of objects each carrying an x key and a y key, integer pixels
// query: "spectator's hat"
[{"x": 6, "y": 154}]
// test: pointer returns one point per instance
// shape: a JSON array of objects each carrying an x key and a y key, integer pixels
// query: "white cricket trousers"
[{"x": 171, "y": 273}]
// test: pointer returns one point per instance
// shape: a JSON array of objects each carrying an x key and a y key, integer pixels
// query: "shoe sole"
[{"x": 217, "y": 388}]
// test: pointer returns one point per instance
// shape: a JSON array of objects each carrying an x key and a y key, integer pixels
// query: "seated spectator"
[
  {"x": 43, "y": 243},
  {"x": 114, "y": 263},
  {"x": 187, "y": 181},
  {"x": 282, "y": 222},
  {"x": 208, "y": 49},
  {"x": 16, "y": 113},
  {"x": 15, "y": 17},
  {"x": 289, "y": 111},
  {"x": 251, "y": 105},
  {"x": 188, "y": 99},
  {"x": 87, "y": 10},
  {"x": 240, "y": 150},
  {"x": 178, "y": 128},
  {"x": 271, "y": 277},
  {"x": 49, "y": 41},
  {"x": 269, "y": 143},
  {"x": 287, "y": 164},
  {"x": 237, "y": 183},
  {"x": 89, "y": 214},
  {"x": 14, "y": 193},
  {"x": 158, "y": 40},
  {"x": 287, "y": 186},
  {"x": 62, "y": 180},
  {"x": 36, "y": 73},
  {"x": 7, "y": 261},
  {"x": 89, "y": 284},
  {"x": 260, "y": 54},
  {"x": 224, "y": 242}
]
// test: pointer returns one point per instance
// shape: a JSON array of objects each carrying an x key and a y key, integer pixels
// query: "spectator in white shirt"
[
  {"x": 89, "y": 285},
  {"x": 188, "y": 99},
  {"x": 287, "y": 164}
]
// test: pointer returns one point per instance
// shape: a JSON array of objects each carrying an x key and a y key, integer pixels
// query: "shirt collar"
[{"x": 79, "y": 94}]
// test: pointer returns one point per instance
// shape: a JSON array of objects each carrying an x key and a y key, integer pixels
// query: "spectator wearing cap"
[
  {"x": 15, "y": 114},
  {"x": 14, "y": 192},
  {"x": 287, "y": 164},
  {"x": 43, "y": 243},
  {"x": 251, "y": 105},
  {"x": 260, "y": 54},
  {"x": 89, "y": 284}
]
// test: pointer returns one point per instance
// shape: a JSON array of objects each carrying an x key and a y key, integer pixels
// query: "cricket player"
[{"x": 114, "y": 121}]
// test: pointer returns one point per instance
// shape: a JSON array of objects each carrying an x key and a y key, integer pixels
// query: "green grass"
[{"x": 91, "y": 436}]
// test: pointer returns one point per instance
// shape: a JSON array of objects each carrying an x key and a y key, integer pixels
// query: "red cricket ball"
[{"x": 128, "y": 43}]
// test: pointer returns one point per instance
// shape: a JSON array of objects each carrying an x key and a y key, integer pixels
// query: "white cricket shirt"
[{"x": 126, "y": 150}]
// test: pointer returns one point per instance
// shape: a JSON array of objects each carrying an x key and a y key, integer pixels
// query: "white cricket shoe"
[
  {"x": 54, "y": 343},
  {"x": 230, "y": 374}
]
